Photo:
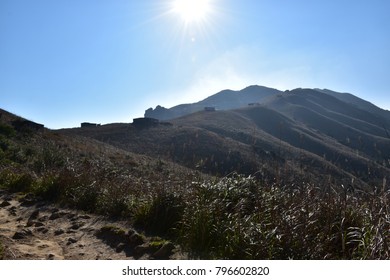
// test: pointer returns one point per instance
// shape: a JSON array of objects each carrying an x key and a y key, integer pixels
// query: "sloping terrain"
[
  {"x": 316, "y": 134},
  {"x": 67, "y": 197},
  {"x": 304, "y": 171},
  {"x": 253, "y": 95},
  {"x": 309, "y": 148}
]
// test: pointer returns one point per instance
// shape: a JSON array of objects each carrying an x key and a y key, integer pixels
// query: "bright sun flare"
[{"x": 191, "y": 10}]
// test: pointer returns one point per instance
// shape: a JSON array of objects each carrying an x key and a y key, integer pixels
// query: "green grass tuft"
[{"x": 160, "y": 214}]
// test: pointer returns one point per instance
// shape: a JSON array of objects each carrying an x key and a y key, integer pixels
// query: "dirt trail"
[{"x": 36, "y": 230}]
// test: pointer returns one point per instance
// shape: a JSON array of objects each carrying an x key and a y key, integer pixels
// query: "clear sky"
[{"x": 63, "y": 62}]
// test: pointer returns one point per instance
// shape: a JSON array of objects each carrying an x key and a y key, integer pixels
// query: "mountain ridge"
[
  {"x": 302, "y": 132},
  {"x": 224, "y": 100},
  {"x": 230, "y": 99}
]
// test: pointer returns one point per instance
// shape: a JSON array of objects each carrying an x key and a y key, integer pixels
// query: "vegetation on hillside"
[
  {"x": 233, "y": 217},
  {"x": 265, "y": 141},
  {"x": 240, "y": 218}
]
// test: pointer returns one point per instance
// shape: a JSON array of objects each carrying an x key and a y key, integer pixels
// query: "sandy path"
[{"x": 36, "y": 230}]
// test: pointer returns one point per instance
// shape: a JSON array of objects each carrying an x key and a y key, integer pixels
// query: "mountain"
[
  {"x": 358, "y": 102},
  {"x": 319, "y": 135},
  {"x": 229, "y": 99},
  {"x": 318, "y": 162},
  {"x": 223, "y": 100}
]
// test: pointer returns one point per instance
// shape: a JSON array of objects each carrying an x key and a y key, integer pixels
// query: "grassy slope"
[
  {"x": 235, "y": 217},
  {"x": 82, "y": 172},
  {"x": 290, "y": 138}
]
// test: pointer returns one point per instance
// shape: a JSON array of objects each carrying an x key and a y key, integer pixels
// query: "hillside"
[
  {"x": 316, "y": 134},
  {"x": 229, "y": 99},
  {"x": 71, "y": 197},
  {"x": 305, "y": 171},
  {"x": 311, "y": 192}
]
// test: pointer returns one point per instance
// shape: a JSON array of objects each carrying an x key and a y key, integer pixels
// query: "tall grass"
[
  {"x": 235, "y": 217},
  {"x": 160, "y": 214},
  {"x": 238, "y": 218}
]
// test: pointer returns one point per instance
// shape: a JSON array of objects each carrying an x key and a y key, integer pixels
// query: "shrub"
[
  {"x": 49, "y": 158},
  {"x": 68, "y": 187},
  {"x": 15, "y": 182},
  {"x": 49, "y": 187},
  {"x": 82, "y": 196},
  {"x": 160, "y": 214},
  {"x": 3, "y": 144},
  {"x": 214, "y": 223},
  {"x": 7, "y": 130},
  {"x": 113, "y": 205}
]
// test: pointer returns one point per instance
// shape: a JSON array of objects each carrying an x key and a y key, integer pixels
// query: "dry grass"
[
  {"x": 239, "y": 218},
  {"x": 235, "y": 217}
]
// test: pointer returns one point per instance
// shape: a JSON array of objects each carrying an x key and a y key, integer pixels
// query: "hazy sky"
[{"x": 63, "y": 62}]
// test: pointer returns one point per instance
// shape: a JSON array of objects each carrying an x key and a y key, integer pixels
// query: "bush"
[
  {"x": 49, "y": 188},
  {"x": 113, "y": 205},
  {"x": 16, "y": 182},
  {"x": 68, "y": 187},
  {"x": 161, "y": 214},
  {"x": 48, "y": 159},
  {"x": 199, "y": 231},
  {"x": 7, "y": 130},
  {"x": 3, "y": 144},
  {"x": 214, "y": 224},
  {"x": 83, "y": 196}
]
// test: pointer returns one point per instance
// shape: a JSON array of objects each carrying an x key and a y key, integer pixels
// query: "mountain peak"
[
  {"x": 224, "y": 100},
  {"x": 255, "y": 94}
]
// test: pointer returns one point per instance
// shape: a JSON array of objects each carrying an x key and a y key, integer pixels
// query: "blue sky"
[{"x": 63, "y": 62}]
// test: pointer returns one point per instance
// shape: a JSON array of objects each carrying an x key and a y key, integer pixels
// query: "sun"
[{"x": 191, "y": 10}]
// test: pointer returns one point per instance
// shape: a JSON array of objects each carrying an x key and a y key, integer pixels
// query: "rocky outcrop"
[{"x": 160, "y": 113}]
